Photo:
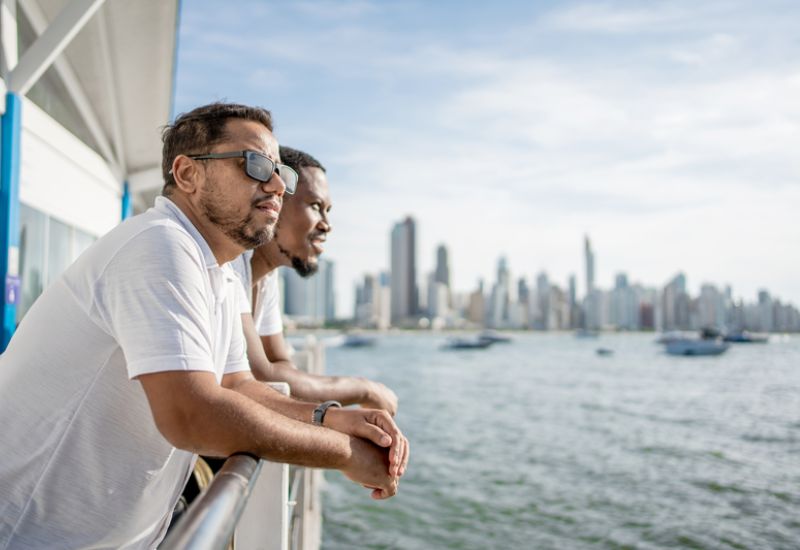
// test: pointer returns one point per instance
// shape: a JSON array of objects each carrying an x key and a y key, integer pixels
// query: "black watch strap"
[{"x": 319, "y": 412}]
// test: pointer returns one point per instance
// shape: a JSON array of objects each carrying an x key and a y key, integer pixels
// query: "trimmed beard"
[
  {"x": 303, "y": 268},
  {"x": 236, "y": 230}
]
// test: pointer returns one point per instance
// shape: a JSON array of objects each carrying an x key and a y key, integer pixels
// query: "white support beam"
[
  {"x": 71, "y": 82},
  {"x": 51, "y": 43},
  {"x": 8, "y": 36},
  {"x": 110, "y": 80}
]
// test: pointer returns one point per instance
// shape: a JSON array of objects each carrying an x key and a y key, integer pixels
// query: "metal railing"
[
  {"x": 248, "y": 504},
  {"x": 210, "y": 521}
]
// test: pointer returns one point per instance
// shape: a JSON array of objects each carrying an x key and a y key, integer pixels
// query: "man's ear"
[{"x": 186, "y": 174}]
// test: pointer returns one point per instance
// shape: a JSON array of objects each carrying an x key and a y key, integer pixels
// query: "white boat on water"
[
  {"x": 695, "y": 347},
  {"x": 494, "y": 336},
  {"x": 456, "y": 342}
]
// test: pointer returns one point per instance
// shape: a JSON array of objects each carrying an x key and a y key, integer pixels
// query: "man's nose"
[
  {"x": 325, "y": 223},
  {"x": 274, "y": 185}
]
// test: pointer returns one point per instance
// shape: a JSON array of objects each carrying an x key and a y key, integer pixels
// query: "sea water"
[{"x": 541, "y": 443}]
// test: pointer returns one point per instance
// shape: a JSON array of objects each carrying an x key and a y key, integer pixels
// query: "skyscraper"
[
  {"x": 589, "y": 256},
  {"x": 404, "y": 271},
  {"x": 310, "y": 300},
  {"x": 442, "y": 266},
  {"x": 593, "y": 301},
  {"x": 675, "y": 300},
  {"x": 500, "y": 299}
]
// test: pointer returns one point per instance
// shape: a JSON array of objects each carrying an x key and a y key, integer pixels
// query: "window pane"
[
  {"x": 80, "y": 242},
  {"x": 31, "y": 256},
  {"x": 58, "y": 249}
]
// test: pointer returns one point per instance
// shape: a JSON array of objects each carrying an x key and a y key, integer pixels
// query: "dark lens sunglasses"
[{"x": 258, "y": 167}]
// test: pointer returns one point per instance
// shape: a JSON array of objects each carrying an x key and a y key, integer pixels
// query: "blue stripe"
[
  {"x": 9, "y": 213},
  {"x": 127, "y": 205}
]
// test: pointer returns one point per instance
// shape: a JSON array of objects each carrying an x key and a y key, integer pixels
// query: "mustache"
[{"x": 268, "y": 198}]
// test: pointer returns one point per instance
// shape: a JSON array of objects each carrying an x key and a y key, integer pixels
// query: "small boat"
[
  {"x": 584, "y": 333},
  {"x": 466, "y": 343},
  {"x": 695, "y": 347},
  {"x": 672, "y": 336},
  {"x": 494, "y": 337},
  {"x": 745, "y": 337},
  {"x": 358, "y": 341},
  {"x": 604, "y": 352}
]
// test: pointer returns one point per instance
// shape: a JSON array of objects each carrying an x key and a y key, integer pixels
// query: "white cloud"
[{"x": 672, "y": 143}]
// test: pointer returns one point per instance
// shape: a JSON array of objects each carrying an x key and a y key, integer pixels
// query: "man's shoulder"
[
  {"x": 153, "y": 232},
  {"x": 144, "y": 241}
]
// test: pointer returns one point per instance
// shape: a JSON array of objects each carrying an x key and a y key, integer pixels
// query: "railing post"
[{"x": 264, "y": 524}]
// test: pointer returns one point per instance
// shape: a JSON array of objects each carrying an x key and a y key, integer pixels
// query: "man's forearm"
[
  {"x": 212, "y": 420},
  {"x": 310, "y": 387},
  {"x": 276, "y": 401}
]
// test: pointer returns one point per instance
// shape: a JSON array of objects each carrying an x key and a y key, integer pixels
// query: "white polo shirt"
[
  {"x": 82, "y": 463},
  {"x": 267, "y": 309}
]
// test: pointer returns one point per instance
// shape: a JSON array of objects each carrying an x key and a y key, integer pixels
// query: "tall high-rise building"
[
  {"x": 476, "y": 310},
  {"x": 593, "y": 302},
  {"x": 310, "y": 300},
  {"x": 404, "y": 271},
  {"x": 711, "y": 307},
  {"x": 372, "y": 303},
  {"x": 624, "y": 305},
  {"x": 574, "y": 309},
  {"x": 501, "y": 296},
  {"x": 442, "y": 266},
  {"x": 675, "y": 300},
  {"x": 589, "y": 257}
]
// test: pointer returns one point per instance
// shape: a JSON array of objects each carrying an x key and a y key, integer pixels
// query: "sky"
[{"x": 669, "y": 132}]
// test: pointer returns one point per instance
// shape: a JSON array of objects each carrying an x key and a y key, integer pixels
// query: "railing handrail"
[{"x": 211, "y": 520}]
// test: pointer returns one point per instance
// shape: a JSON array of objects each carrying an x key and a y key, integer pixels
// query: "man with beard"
[
  {"x": 301, "y": 232},
  {"x": 133, "y": 361}
]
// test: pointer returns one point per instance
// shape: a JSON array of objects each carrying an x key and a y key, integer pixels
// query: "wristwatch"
[{"x": 319, "y": 412}]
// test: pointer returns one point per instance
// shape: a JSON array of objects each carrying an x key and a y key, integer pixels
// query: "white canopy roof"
[{"x": 119, "y": 71}]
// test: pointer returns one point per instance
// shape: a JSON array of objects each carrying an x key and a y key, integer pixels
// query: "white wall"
[{"x": 64, "y": 178}]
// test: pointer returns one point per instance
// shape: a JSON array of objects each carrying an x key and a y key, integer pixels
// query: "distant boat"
[
  {"x": 604, "y": 352},
  {"x": 672, "y": 336},
  {"x": 358, "y": 341},
  {"x": 584, "y": 333},
  {"x": 695, "y": 347},
  {"x": 494, "y": 337},
  {"x": 466, "y": 343},
  {"x": 745, "y": 337}
]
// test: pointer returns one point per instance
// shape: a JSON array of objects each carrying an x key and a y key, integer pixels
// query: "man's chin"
[
  {"x": 305, "y": 268},
  {"x": 255, "y": 239}
]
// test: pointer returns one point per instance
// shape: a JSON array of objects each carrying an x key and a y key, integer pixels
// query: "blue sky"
[{"x": 667, "y": 131}]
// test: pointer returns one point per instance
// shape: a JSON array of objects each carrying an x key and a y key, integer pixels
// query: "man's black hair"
[
  {"x": 195, "y": 132},
  {"x": 296, "y": 159}
]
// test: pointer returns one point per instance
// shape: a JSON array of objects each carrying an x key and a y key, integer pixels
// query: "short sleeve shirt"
[
  {"x": 82, "y": 463},
  {"x": 267, "y": 310}
]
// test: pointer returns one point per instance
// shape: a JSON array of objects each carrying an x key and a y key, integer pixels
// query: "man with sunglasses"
[
  {"x": 133, "y": 361},
  {"x": 301, "y": 232}
]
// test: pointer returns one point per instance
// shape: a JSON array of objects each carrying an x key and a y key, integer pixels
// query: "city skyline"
[
  {"x": 586, "y": 266},
  {"x": 668, "y": 132},
  {"x": 618, "y": 304}
]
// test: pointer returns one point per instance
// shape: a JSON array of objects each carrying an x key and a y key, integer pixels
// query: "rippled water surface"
[{"x": 542, "y": 444}]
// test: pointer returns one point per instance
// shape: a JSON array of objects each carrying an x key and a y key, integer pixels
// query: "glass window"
[
  {"x": 59, "y": 255},
  {"x": 46, "y": 248},
  {"x": 32, "y": 256},
  {"x": 80, "y": 242}
]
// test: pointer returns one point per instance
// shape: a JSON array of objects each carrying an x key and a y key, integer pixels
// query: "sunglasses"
[{"x": 258, "y": 167}]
